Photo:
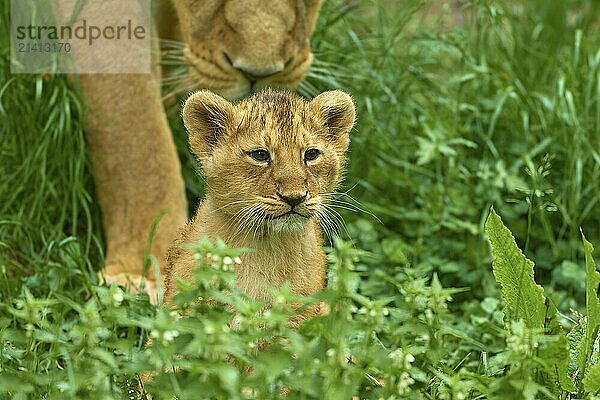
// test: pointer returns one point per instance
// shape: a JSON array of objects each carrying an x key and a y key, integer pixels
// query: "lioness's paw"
[{"x": 133, "y": 283}]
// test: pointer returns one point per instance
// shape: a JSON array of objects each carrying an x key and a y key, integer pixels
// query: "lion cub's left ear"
[
  {"x": 336, "y": 109},
  {"x": 206, "y": 117}
]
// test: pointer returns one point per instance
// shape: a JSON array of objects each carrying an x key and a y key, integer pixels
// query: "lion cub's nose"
[{"x": 293, "y": 199}]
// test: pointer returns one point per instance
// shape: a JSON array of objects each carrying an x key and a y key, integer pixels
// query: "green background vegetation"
[{"x": 460, "y": 108}]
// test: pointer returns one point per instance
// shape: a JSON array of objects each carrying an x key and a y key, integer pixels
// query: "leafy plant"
[
  {"x": 531, "y": 316},
  {"x": 587, "y": 349}
]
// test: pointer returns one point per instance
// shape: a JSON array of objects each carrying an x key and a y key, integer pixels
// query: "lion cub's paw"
[{"x": 133, "y": 283}]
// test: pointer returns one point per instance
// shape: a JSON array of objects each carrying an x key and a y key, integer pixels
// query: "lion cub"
[{"x": 268, "y": 161}]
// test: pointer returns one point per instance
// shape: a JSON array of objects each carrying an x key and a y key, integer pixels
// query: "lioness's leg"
[
  {"x": 135, "y": 165},
  {"x": 136, "y": 170}
]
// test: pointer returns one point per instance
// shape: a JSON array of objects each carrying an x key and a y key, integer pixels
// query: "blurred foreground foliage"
[{"x": 214, "y": 342}]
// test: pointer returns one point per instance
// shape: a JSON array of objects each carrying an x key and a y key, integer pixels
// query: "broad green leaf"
[
  {"x": 591, "y": 382},
  {"x": 575, "y": 337},
  {"x": 523, "y": 298},
  {"x": 555, "y": 352},
  {"x": 592, "y": 307}
]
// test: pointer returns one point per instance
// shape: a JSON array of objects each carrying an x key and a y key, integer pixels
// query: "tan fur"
[
  {"x": 136, "y": 168},
  {"x": 235, "y": 47},
  {"x": 245, "y": 196}
]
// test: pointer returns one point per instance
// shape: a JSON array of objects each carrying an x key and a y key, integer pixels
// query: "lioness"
[
  {"x": 232, "y": 47},
  {"x": 270, "y": 162}
]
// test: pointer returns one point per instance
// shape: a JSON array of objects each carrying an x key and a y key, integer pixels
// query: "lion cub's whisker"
[
  {"x": 357, "y": 205},
  {"x": 346, "y": 206},
  {"x": 231, "y": 203},
  {"x": 325, "y": 223},
  {"x": 247, "y": 223},
  {"x": 241, "y": 218},
  {"x": 337, "y": 218}
]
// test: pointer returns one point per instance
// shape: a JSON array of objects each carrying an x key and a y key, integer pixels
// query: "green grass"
[
  {"x": 502, "y": 109},
  {"x": 49, "y": 225}
]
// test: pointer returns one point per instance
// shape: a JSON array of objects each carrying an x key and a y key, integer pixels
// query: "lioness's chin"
[
  {"x": 235, "y": 93},
  {"x": 242, "y": 87},
  {"x": 221, "y": 78},
  {"x": 287, "y": 223}
]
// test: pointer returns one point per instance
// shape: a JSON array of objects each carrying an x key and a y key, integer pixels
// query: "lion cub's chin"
[{"x": 288, "y": 223}]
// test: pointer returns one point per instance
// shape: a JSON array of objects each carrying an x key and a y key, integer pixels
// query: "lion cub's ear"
[
  {"x": 336, "y": 109},
  {"x": 206, "y": 117}
]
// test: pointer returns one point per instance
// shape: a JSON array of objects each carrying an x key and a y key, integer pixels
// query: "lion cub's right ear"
[{"x": 206, "y": 117}]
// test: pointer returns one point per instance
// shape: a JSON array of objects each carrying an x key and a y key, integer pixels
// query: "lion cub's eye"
[
  {"x": 260, "y": 155},
  {"x": 311, "y": 154}
]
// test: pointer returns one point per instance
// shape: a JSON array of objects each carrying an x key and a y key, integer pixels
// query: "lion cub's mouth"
[
  {"x": 290, "y": 221},
  {"x": 291, "y": 213}
]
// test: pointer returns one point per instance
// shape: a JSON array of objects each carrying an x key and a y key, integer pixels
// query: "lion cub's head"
[
  {"x": 235, "y": 47},
  {"x": 271, "y": 160}
]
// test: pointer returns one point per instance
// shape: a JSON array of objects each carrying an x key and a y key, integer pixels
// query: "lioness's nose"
[
  {"x": 293, "y": 199},
  {"x": 257, "y": 71}
]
